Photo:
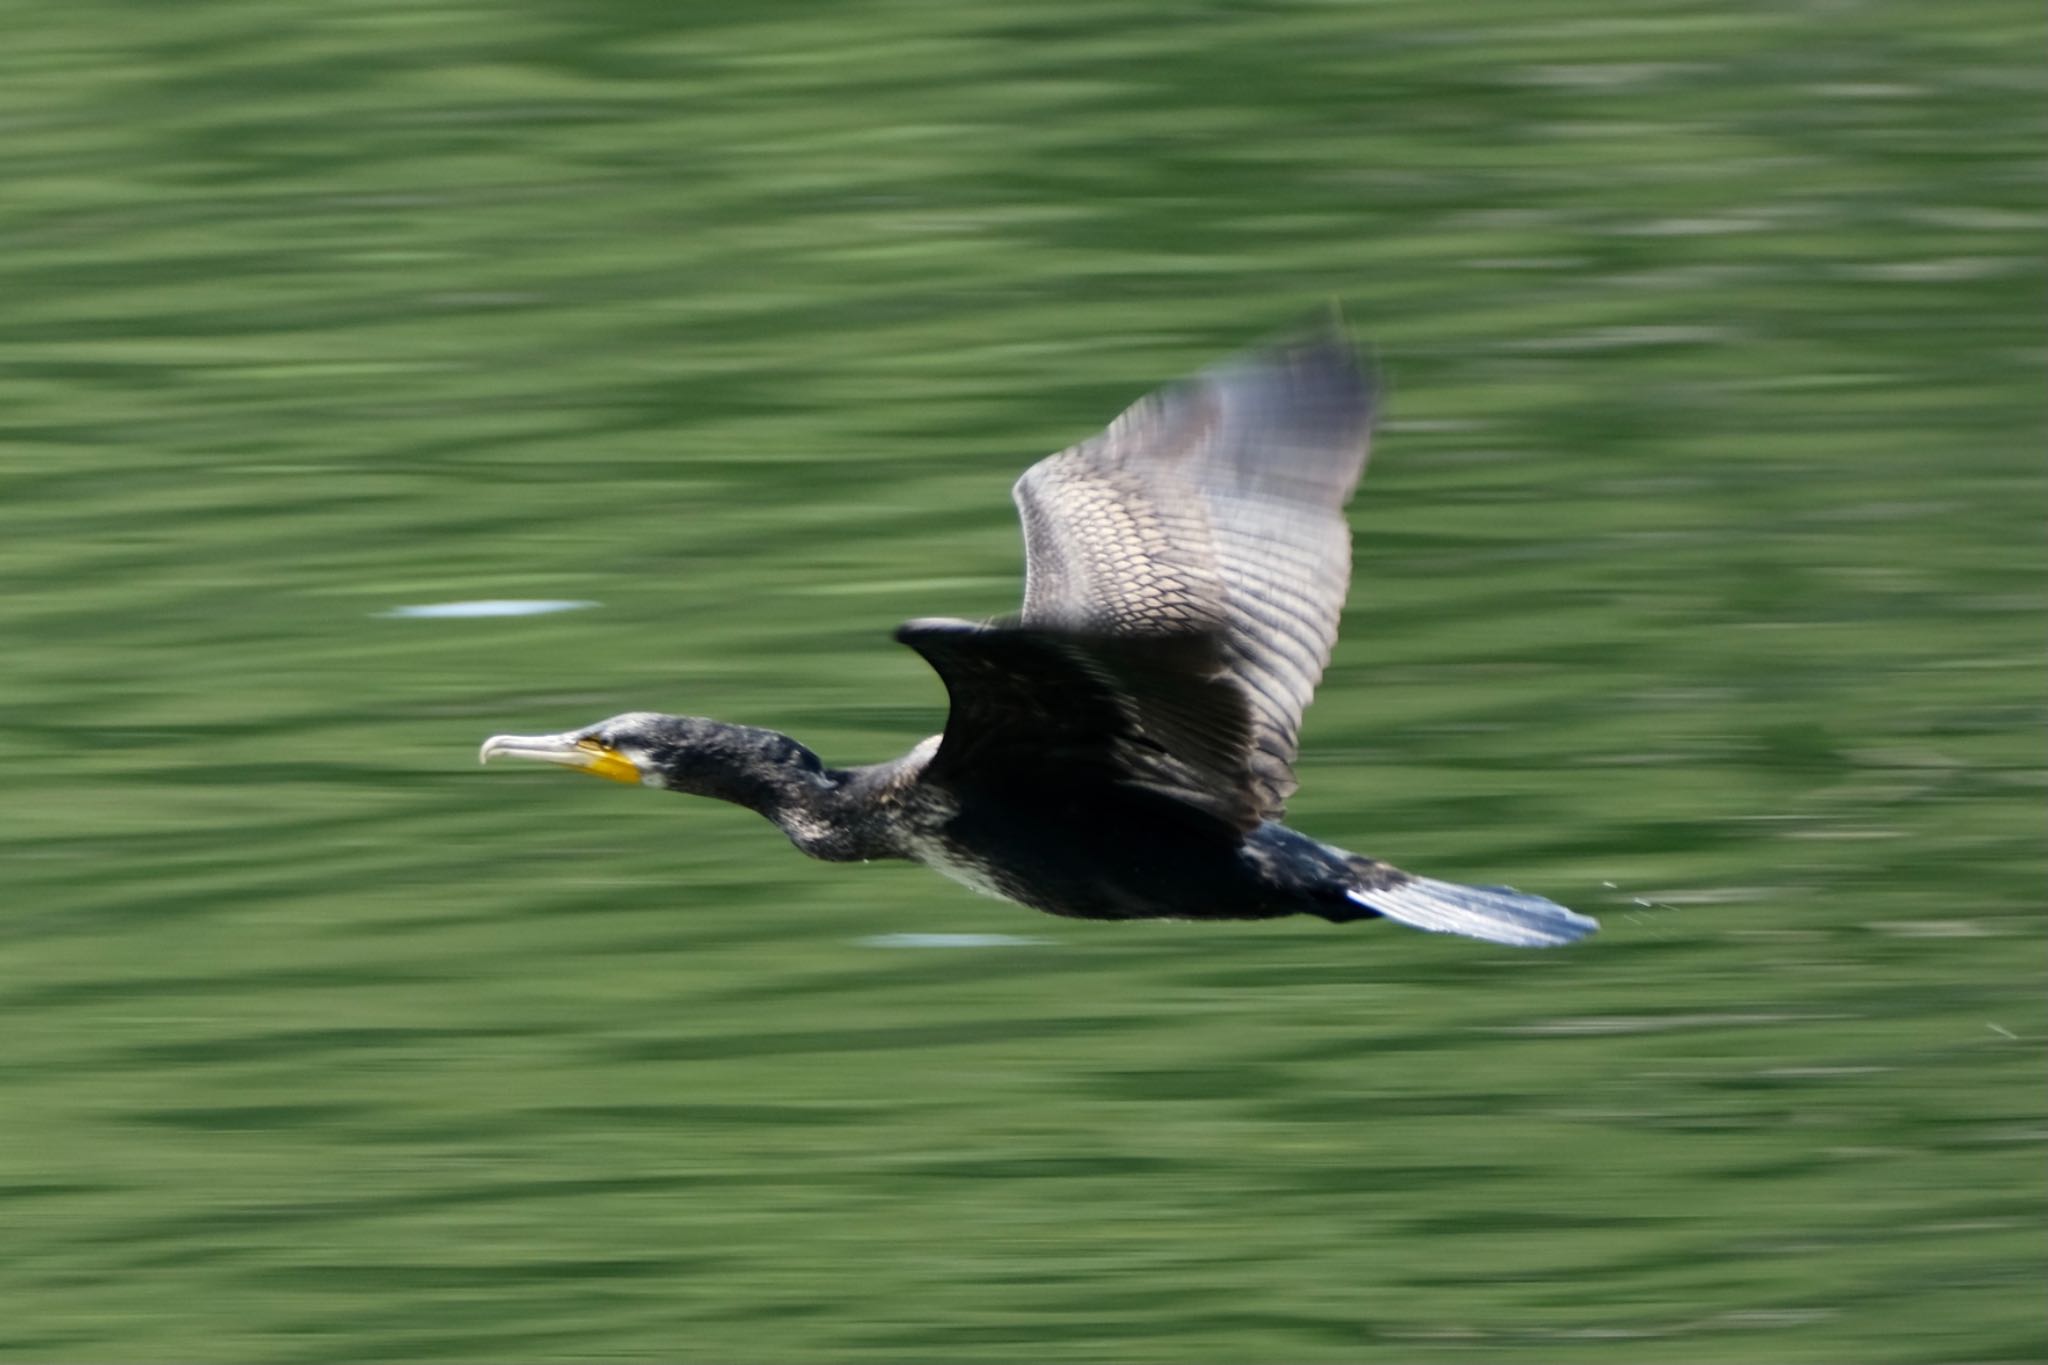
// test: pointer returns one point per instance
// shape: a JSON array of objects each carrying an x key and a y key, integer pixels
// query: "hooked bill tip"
[{"x": 568, "y": 750}]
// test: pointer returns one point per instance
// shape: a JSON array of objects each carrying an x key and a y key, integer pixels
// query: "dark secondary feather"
[
  {"x": 1212, "y": 508},
  {"x": 1158, "y": 711}
]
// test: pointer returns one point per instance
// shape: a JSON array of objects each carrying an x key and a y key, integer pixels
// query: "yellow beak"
[{"x": 586, "y": 755}]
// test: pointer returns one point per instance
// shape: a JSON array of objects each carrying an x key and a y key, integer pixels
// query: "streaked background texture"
[{"x": 1699, "y": 587}]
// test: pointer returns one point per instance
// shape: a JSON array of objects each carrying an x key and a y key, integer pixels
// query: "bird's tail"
[{"x": 1497, "y": 914}]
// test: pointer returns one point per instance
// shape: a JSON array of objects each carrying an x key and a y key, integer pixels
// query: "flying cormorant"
[{"x": 1123, "y": 748}]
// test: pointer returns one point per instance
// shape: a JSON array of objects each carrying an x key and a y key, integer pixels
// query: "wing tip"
[
  {"x": 1331, "y": 353},
  {"x": 1321, "y": 365}
]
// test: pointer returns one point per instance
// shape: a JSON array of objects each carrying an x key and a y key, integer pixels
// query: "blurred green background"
[{"x": 1698, "y": 587}]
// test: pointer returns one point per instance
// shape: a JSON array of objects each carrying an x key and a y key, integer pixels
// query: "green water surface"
[{"x": 1699, "y": 587}]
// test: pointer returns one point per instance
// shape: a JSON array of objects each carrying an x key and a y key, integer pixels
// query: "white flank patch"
[
  {"x": 934, "y": 854},
  {"x": 493, "y": 607},
  {"x": 948, "y": 940}
]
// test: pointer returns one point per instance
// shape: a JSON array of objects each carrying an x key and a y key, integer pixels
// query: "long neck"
[{"x": 774, "y": 775}]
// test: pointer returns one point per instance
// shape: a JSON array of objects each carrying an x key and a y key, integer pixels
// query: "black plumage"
[{"x": 1124, "y": 748}]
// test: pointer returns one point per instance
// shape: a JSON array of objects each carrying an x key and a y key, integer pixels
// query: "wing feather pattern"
[{"x": 1215, "y": 506}]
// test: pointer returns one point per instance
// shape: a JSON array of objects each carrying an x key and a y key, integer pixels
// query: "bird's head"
[
  {"x": 679, "y": 753},
  {"x": 633, "y": 747}
]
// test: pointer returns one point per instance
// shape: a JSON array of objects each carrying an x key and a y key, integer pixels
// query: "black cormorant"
[{"x": 1123, "y": 748}]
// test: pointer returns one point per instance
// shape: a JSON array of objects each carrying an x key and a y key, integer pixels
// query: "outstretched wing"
[
  {"x": 1155, "y": 711},
  {"x": 1215, "y": 505}
]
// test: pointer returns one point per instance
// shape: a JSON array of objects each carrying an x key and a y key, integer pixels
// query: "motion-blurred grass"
[{"x": 1699, "y": 566}]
